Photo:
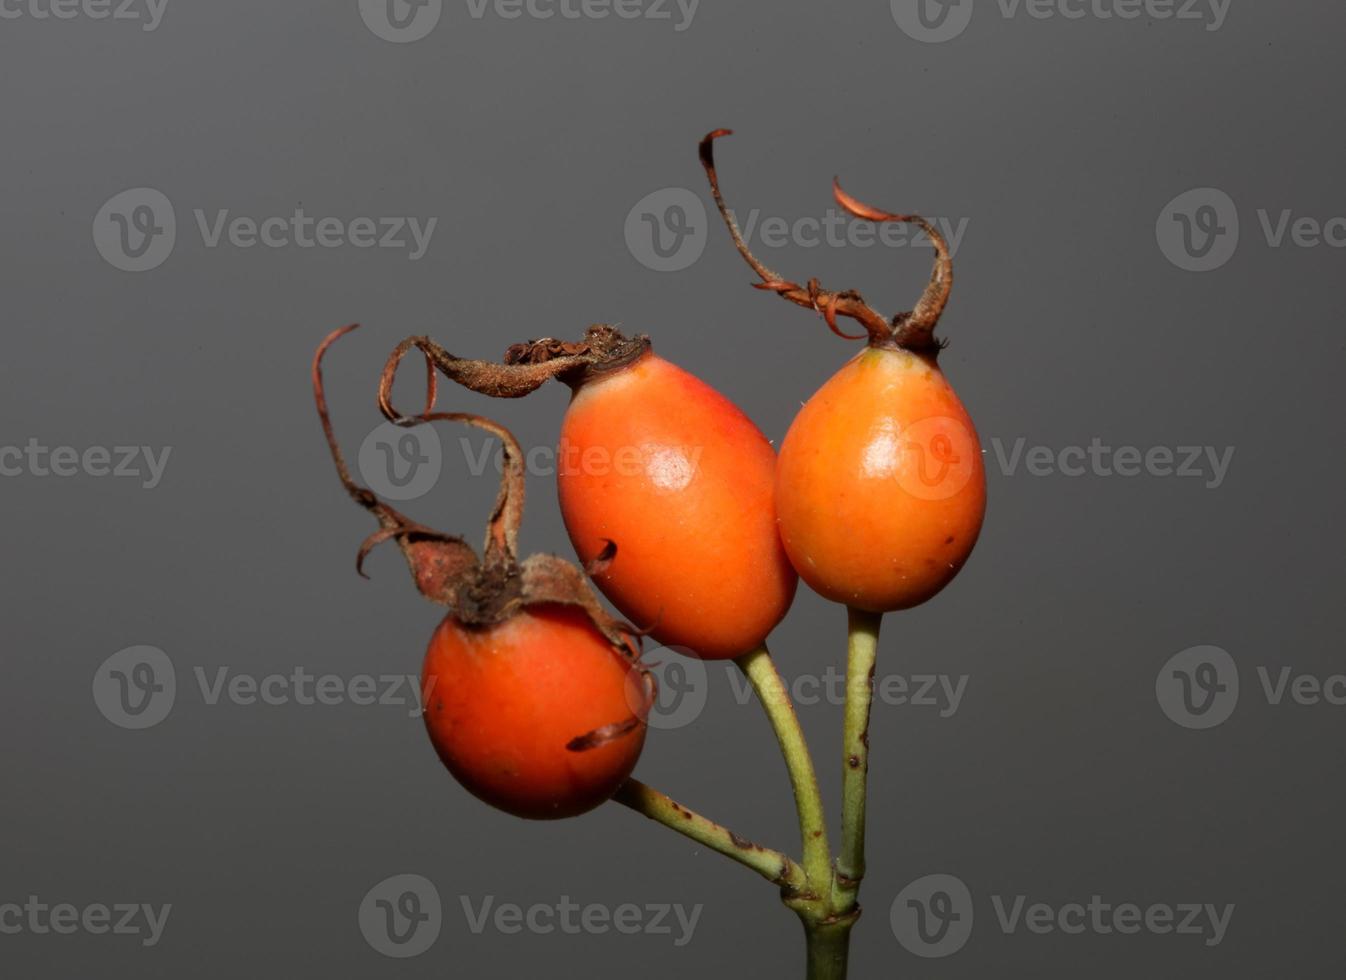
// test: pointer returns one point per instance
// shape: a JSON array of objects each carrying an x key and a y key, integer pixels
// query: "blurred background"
[{"x": 1132, "y": 696}]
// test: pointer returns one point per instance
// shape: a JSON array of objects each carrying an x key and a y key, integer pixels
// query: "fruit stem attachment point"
[
  {"x": 775, "y": 866},
  {"x": 913, "y": 331},
  {"x": 761, "y": 672},
  {"x": 861, "y": 657}
]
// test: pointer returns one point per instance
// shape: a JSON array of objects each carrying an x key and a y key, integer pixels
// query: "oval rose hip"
[
  {"x": 665, "y": 486},
  {"x": 880, "y": 487},
  {"x": 535, "y": 698}
]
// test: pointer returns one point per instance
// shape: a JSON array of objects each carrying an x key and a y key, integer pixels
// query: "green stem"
[
  {"x": 772, "y": 865},
  {"x": 861, "y": 654},
  {"x": 766, "y": 680},
  {"x": 828, "y": 948}
]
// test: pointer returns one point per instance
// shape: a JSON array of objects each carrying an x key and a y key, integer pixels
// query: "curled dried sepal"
[
  {"x": 913, "y": 331},
  {"x": 477, "y": 592},
  {"x": 525, "y": 368}
]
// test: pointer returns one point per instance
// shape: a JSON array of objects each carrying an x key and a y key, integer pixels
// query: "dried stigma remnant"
[{"x": 913, "y": 331}]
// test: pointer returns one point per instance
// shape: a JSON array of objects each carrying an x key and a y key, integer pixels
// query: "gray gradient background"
[{"x": 1058, "y": 778}]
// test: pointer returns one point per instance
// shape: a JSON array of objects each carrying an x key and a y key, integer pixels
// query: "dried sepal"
[
  {"x": 477, "y": 591},
  {"x": 525, "y": 368}
]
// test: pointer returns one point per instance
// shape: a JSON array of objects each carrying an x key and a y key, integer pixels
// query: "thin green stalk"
[
  {"x": 772, "y": 865},
  {"x": 766, "y": 680},
  {"x": 861, "y": 654}
]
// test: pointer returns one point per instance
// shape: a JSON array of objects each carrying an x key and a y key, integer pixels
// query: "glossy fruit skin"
[
  {"x": 682, "y": 482},
  {"x": 503, "y": 702},
  {"x": 880, "y": 487}
]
